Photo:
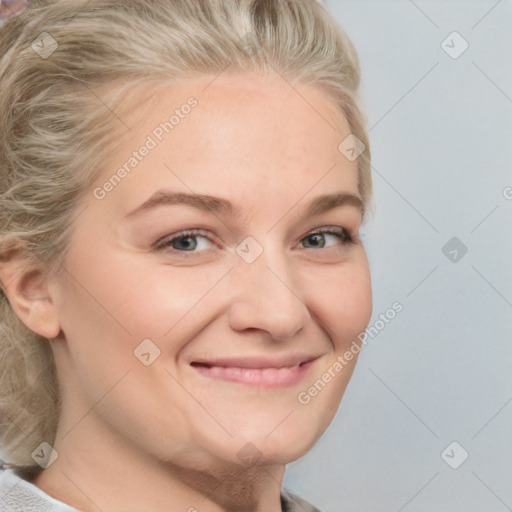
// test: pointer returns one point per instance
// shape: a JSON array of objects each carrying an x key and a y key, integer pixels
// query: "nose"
[{"x": 267, "y": 298}]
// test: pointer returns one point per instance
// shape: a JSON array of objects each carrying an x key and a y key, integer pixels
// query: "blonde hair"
[{"x": 57, "y": 121}]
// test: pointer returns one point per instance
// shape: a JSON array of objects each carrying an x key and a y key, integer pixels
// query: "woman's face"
[{"x": 177, "y": 312}]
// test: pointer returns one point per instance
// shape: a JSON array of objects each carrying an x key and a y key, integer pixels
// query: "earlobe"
[
  {"x": 42, "y": 319},
  {"x": 28, "y": 289}
]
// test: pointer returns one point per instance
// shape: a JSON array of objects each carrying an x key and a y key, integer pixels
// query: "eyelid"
[
  {"x": 346, "y": 237},
  {"x": 345, "y": 234},
  {"x": 163, "y": 242}
]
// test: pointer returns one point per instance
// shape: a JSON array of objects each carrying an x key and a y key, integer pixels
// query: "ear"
[{"x": 28, "y": 288}]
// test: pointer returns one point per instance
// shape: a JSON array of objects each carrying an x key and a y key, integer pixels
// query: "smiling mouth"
[{"x": 264, "y": 377}]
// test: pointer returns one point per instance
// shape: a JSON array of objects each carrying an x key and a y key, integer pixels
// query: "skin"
[{"x": 133, "y": 437}]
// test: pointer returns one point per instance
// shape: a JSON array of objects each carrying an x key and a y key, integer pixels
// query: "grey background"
[{"x": 440, "y": 371}]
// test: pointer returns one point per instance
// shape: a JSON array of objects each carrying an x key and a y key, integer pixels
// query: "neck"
[{"x": 99, "y": 470}]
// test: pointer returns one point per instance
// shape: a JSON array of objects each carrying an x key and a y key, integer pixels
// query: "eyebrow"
[{"x": 221, "y": 206}]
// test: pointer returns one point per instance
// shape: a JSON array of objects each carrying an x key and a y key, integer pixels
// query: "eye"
[
  {"x": 320, "y": 238},
  {"x": 193, "y": 241}
]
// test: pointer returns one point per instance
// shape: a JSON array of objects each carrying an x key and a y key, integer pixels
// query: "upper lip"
[{"x": 286, "y": 360}]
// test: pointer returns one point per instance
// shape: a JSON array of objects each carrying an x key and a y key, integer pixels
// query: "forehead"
[{"x": 245, "y": 134}]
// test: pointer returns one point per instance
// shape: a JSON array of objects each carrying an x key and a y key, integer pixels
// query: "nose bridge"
[{"x": 266, "y": 296}]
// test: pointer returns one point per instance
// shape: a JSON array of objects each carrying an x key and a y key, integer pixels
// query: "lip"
[{"x": 256, "y": 371}]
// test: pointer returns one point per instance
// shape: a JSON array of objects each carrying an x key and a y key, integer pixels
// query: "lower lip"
[{"x": 262, "y": 377}]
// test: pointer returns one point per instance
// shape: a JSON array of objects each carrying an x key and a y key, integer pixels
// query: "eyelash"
[{"x": 165, "y": 243}]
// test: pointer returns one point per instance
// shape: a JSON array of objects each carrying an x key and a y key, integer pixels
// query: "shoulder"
[
  {"x": 293, "y": 503},
  {"x": 17, "y": 494}
]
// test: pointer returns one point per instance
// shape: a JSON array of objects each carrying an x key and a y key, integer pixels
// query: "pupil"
[
  {"x": 317, "y": 240},
  {"x": 185, "y": 243}
]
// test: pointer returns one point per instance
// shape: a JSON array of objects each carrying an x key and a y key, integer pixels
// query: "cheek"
[
  {"x": 123, "y": 296},
  {"x": 99, "y": 302},
  {"x": 346, "y": 304}
]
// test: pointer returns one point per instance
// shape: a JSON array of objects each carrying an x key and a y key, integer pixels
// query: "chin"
[
  {"x": 288, "y": 453},
  {"x": 279, "y": 446}
]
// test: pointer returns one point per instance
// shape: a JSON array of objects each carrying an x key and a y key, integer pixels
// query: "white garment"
[{"x": 18, "y": 495}]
